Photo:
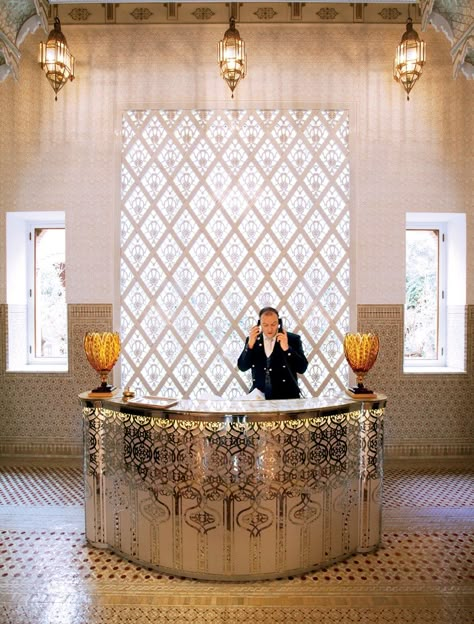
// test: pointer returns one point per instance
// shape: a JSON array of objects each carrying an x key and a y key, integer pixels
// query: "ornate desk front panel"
[{"x": 233, "y": 499}]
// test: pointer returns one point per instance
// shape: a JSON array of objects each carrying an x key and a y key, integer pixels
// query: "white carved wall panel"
[{"x": 224, "y": 212}]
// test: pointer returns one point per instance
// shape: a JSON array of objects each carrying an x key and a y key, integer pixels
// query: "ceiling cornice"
[{"x": 213, "y": 12}]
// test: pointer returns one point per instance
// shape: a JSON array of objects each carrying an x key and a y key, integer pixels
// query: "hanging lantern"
[
  {"x": 56, "y": 60},
  {"x": 231, "y": 56},
  {"x": 409, "y": 58}
]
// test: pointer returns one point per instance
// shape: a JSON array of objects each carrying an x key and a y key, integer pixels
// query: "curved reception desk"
[{"x": 234, "y": 490}]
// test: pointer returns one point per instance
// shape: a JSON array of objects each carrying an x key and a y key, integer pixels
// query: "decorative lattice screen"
[{"x": 224, "y": 212}]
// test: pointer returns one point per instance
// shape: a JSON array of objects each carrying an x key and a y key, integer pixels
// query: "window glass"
[
  {"x": 422, "y": 294},
  {"x": 50, "y": 314}
]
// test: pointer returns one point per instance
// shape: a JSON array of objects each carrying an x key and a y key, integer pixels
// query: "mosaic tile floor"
[{"x": 422, "y": 574}]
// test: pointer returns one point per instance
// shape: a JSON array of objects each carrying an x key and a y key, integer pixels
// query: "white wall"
[{"x": 406, "y": 156}]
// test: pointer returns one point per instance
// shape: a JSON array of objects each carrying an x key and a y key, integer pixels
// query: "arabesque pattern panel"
[
  {"x": 224, "y": 212},
  {"x": 233, "y": 497}
]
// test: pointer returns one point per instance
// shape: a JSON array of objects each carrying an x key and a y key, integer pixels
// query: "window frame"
[
  {"x": 18, "y": 226},
  {"x": 454, "y": 287}
]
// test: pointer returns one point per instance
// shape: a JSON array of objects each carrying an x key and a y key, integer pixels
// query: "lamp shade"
[
  {"x": 361, "y": 351},
  {"x": 102, "y": 351},
  {"x": 410, "y": 57},
  {"x": 55, "y": 59}
]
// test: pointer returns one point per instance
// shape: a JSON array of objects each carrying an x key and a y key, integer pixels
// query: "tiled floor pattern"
[
  {"x": 37, "y": 486},
  {"x": 422, "y": 574}
]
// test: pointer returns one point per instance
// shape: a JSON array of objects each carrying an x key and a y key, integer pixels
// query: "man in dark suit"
[{"x": 275, "y": 357}]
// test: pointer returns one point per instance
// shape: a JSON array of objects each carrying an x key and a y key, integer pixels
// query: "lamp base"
[
  {"x": 101, "y": 395},
  {"x": 359, "y": 392},
  {"x": 104, "y": 390},
  {"x": 356, "y": 395}
]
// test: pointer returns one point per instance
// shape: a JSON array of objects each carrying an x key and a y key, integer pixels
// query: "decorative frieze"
[
  {"x": 204, "y": 13},
  {"x": 80, "y": 15},
  {"x": 296, "y": 11},
  {"x": 327, "y": 13},
  {"x": 141, "y": 14},
  {"x": 267, "y": 13},
  {"x": 172, "y": 11},
  {"x": 358, "y": 11},
  {"x": 390, "y": 13},
  {"x": 219, "y": 12}
]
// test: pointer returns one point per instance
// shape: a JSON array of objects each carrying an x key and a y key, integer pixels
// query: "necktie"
[{"x": 268, "y": 381}]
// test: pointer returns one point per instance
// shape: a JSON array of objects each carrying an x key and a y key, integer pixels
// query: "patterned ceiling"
[{"x": 18, "y": 18}]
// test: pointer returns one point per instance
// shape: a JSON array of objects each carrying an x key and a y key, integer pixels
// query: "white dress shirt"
[{"x": 268, "y": 344}]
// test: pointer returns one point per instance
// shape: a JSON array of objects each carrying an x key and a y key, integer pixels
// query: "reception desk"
[{"x": 234, "y": 490}]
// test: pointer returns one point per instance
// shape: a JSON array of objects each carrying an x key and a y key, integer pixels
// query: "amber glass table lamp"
[
  {"x": 102, "y": 351},
  {"x": 361, "y": 351}
]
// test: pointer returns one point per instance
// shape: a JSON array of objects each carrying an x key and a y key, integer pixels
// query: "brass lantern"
[
  {"x": 102, "y": 351},
  {"x": 361, "y": 351},
  {"x": 55, "y": 59},
  {"x": 231, "y": 56},
  {"x": 409, "y": 58}
]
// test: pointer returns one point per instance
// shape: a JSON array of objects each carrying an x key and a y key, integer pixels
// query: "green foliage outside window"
[{"x": 421, "y": 304}]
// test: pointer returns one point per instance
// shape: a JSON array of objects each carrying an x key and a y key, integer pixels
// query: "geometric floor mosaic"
[
  {"x": 37, "y": 486},
  {"x": 429, "y": 486},
  {"x": 422, "y": 574}
]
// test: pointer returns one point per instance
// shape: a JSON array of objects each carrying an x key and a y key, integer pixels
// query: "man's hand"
[
  {"x": 253, "y": 335},
  {"x": 282, "y": 338}
]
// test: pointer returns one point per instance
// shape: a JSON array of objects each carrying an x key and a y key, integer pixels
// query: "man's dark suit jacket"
[{"x": 284, "y": 366}]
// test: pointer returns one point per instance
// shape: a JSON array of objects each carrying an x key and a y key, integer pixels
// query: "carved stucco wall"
[{"x": 65, "y": 155}]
